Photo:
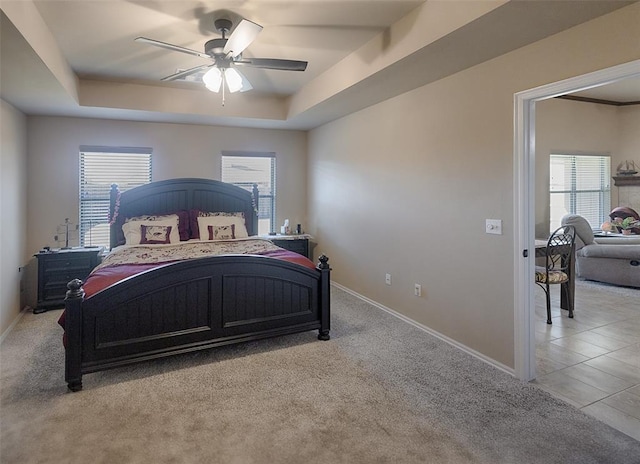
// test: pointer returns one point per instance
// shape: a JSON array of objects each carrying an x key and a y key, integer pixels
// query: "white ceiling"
[
  {"x": 97, "y": 37},
  {"x": 359, "y": 52}
]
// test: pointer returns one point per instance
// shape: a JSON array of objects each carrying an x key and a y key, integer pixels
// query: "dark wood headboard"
[{"x": 168, "y": 196}]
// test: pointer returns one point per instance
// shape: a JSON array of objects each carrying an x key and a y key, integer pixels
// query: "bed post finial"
[
  {"x": 114, "y": 190},
  {"x": 324, "y": 262},
  {"x": 75, "y": 289}
]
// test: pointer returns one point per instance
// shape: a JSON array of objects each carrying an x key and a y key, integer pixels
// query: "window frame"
[
  {"x": 574, "y": 192},
  {"x": 269, "y": 197},
  {"x": 99, "y": 194}
]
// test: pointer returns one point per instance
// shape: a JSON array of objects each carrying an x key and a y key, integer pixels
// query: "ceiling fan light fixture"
[
  {"x": 246, "y": 85},
  {"x": 213, "y": 79},
  {"x": 226, "y": 53},
  {"x": 233, "y": 79}
]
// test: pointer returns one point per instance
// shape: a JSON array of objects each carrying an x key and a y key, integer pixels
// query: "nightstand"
[
  {"x": 57, "y": 268},
  {"x": 296, "y": 243}
]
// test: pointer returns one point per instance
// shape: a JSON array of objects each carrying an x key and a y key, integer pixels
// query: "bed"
[{"x": 183, "y": 305}]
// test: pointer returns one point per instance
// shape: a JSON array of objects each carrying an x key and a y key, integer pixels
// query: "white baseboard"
[
  {"x": 430, "y": 331},
  {"x": 13, "y": 324}
]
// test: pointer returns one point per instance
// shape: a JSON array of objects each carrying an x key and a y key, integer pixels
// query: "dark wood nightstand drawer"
[
  {"x": 72, "y": 263},
  {"x": 57, "y": 269}
]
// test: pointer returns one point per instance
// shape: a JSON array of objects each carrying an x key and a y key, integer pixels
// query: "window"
[
  {"x": 580, "y": 184},
  {"x": 99, "y": 168},
  {"x": 245, "y": 169}
]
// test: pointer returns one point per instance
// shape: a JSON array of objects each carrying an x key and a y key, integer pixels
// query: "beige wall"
[
  {"x": 629, "y": 119},
  {"x": 405, "y": 186},
  {"x": 573, "y": 127},
  {"x": 13, "y": 203},
  {"x": 629, "y": 150},
  {"x": 178, "y": 151}
]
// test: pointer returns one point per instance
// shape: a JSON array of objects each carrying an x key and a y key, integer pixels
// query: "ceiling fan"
[{"x": 226, "y": 54}]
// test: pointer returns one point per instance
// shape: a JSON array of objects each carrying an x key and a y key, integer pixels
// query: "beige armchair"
[{"x": 615, "y": 263}]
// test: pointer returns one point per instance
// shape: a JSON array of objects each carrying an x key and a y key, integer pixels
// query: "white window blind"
[
  {"x": 245, "y": 169},
  {"x": 127, "y": 167},
  {"x": 580, "y": 184}
]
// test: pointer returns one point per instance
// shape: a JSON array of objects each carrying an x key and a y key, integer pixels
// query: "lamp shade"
[
  {"x": 234, "y": 80},
  {"x": 216, "y": 78},
  {"x": 213, "y": 79}
]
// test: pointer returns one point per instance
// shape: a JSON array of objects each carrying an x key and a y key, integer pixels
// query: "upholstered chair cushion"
[
  {"x": 555, "y": 277},
  {"x": 584, "y": 233}
]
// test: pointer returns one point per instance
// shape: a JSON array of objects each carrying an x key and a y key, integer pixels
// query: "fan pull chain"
[{"x": 224, "y": 84}]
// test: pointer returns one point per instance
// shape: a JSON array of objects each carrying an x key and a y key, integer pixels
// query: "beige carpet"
[{"x": 380, "y": 391}]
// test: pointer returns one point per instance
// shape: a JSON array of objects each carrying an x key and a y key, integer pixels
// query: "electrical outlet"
[
  {"x": 387, "y": 279},
  {"x": 417, "y": 290}
]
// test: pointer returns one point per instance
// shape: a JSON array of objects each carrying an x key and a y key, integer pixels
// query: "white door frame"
[{"x": 524, "y": 201}]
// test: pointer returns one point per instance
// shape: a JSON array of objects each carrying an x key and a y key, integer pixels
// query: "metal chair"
[{"x": 559, "y": 253}]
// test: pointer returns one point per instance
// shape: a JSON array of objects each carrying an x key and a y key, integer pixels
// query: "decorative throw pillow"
[
  {"x": 183, "y": 221},
  {"x": 222, "y": 232},
  {"x": 132, "y": 229},
  {"x": 204, "y": 219},
  {"x": 155, "y": 235}
]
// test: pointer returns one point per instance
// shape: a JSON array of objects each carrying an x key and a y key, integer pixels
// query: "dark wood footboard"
[{"x": 192, "y": 305}]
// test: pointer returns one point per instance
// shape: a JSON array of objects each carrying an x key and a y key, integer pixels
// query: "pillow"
[
  {"x": 155, "y": 235},
  {"x": 240, "y": 231},
  {"x": 183, "y": 224},
  {"x": 132, "y": 229},
  {"x": 183, "y": 221},
  {"x": 222, "y": 232},
  {"x": 194, "y": 214}
]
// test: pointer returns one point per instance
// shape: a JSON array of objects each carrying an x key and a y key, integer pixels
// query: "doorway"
[{"x": 524, "y": 189}]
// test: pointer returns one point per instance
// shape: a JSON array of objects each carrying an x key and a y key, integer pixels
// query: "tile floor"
[{"x": 593, "y": 360}]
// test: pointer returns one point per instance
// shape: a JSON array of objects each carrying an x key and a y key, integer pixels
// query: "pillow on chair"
[{"x": 584, "y": 233}]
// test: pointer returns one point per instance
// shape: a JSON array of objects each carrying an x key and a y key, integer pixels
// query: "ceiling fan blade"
[
  {"x": 273, "y": 63},
  {"x": 175, "y": 48},
  {"x": 186, "y": 72},
  {"x": 241, "y": 37}
]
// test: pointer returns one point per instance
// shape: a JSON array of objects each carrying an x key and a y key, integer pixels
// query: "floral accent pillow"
[
  {"x": 222, "y": 232},
  {"x": 155, "y": 235},
  {"x": 202, "y": 219},
  {"x": 132, "y": 229},
  {"x": 183, "y": 221}
]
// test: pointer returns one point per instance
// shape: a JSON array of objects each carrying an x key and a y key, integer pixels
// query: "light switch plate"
[{"x": 494, "y": 226}]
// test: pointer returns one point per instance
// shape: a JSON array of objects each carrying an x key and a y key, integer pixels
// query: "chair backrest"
[
  {"x": 560, "y": 248},
  {"x": 584, "y": 232}
]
